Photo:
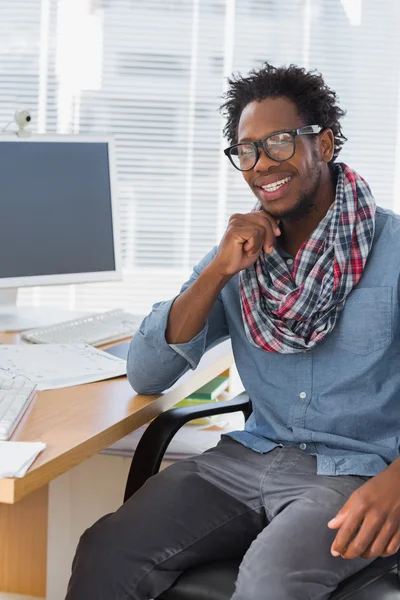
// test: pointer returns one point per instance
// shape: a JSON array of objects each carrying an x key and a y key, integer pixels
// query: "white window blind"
[{"x": 152, "y": 73}]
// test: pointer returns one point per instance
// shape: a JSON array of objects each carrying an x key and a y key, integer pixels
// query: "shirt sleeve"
[{"x": 153, "y": 365}]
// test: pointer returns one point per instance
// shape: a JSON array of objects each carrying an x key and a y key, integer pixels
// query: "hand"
[
  {"x": 369, "y": 522},
  {"x": 244, "y": 239}
]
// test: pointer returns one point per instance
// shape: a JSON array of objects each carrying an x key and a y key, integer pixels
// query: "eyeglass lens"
[{"x": 279, "y": 146}]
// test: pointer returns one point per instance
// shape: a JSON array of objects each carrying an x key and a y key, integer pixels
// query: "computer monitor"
[{"x": 58, "y": 219}]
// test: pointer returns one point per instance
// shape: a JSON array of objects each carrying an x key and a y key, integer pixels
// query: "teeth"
[{"x": 276, "y": 185}]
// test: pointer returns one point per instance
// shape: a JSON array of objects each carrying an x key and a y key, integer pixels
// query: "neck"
[{"x": 295, "y": 233}]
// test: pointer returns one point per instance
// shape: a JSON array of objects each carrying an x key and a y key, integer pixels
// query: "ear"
[{"x": 327, "y": 145}]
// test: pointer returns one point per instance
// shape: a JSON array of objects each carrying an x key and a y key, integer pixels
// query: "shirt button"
[
  {"x": 303, "y": 446},
  {"x": 289, "y": 261},
  {"x": 303, "y": 395}
]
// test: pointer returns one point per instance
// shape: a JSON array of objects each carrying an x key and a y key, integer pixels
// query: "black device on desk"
[{"x": 120, "y": 350}]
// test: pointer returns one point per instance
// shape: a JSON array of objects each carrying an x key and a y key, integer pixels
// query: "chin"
[{"x": 281, "y": 207}]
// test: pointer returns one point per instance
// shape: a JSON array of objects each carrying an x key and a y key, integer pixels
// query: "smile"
[{"x": 272, "y": 187}]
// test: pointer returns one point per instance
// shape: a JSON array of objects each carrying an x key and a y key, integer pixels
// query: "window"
[{"x": 153, "y": 73}]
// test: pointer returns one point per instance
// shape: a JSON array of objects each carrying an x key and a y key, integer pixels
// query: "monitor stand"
[{"x": 19, "y": 318}]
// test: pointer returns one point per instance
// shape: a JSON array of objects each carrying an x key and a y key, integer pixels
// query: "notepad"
[
  {"x": 17, "y": 457},
  {"x": 53, "y": 366},
  {"x": 211, "y": 390}
]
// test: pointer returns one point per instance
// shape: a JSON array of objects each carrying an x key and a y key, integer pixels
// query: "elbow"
[
  {"x": 141, "y": 386},
  {"x": 140, "y": 381},
  {"x": 148, "y": 372}
]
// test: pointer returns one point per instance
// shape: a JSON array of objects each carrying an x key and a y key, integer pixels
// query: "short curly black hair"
[{"x": 316, "y": 103}]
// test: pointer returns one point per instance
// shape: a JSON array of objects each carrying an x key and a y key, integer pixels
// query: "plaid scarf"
[{"x": 291, "y": 312}]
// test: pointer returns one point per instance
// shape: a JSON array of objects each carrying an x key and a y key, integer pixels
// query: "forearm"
[
  {"x": 153, "y": 364},
  {"x": 192, "y": 308},
  {"x": 395, "y": 466}
]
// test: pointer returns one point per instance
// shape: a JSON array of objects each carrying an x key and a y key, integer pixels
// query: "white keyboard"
[
  {"x": 16, "y": 393},
  {"x": 95, "y": 330}
]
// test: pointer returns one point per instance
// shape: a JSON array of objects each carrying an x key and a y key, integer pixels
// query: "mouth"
[{"x": 275, "y": 190}]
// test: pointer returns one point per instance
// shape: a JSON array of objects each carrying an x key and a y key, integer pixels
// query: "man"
[{"x": 306, "y": 287}]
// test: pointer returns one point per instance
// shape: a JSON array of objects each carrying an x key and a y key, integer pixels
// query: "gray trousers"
[{"x": 227, "y": 503}]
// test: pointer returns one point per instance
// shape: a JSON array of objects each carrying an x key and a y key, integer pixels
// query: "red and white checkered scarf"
[{"x": 291, "y": 312}]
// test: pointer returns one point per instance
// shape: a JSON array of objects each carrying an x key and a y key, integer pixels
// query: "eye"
[
  {"x": 245, "y": 150},
  {"x": 280, "y": 139}
]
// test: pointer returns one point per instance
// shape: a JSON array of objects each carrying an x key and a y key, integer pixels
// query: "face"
[{"x": 297, "y": 197}]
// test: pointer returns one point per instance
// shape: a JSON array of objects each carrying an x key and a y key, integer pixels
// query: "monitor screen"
[{"x": 56, "y": 209}]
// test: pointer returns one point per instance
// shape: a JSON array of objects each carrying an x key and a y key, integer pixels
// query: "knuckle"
[
  {"x": 236, "y": 218},
  {"x": 375, "y": 521},
  {"x": 261, "y": 232},
  {"x": 266, "y": 221},
  {"x": 267, "y": 218},
  {"x": 358, "y": 546},
  {"x": 392, "y": 522},
  {"x": 377, "y": 515},
  {"x": 362, "y": 505}
]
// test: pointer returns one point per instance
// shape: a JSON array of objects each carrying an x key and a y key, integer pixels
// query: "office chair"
[{"x": 216, "y": 581}]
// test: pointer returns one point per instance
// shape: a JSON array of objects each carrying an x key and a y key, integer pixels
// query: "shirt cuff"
[
  {"x": 154, "y": 327},
  {"x": 193, "y": 350}
]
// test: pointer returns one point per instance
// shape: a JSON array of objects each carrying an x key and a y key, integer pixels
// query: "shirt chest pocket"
[{"x": 364, "y": 325}]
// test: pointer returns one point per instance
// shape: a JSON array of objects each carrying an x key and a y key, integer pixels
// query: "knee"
[
  {"x": 94, "y": 564},
  {"x": 92, "y": 541}
]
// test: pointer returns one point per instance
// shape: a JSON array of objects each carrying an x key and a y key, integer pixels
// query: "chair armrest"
[{"x": 154, "y": 442}]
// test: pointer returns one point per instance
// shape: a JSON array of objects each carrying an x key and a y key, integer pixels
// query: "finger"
[
  {"x": 340, "y": 517},
  {"x": 248, "y": 226},
  {"x": 269, "y": 240},
  {"x": 264, "y": 223},
  {"x": 393, "y": 546},
  {"x": 379, "y": 544},
  {"x": 248, "y": 245},
  {"x": 253, "y": 244},
  {"x": 261, "y": 216},
  {"x": 267, "y": 218},
  {"x": 365, "y": 537},
  {"x": 346, "y": 532}
]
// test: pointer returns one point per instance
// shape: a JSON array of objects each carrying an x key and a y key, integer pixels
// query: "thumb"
[{"x": 339, "y": 519}]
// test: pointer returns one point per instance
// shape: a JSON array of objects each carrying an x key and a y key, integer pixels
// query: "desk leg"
[{"x": 23, "y": 545}]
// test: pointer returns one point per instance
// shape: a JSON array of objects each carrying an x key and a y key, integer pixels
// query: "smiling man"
[{"x": 307, "y": 288}]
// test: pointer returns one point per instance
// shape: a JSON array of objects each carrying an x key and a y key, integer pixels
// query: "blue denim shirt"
[{"x": 339, "y": 401}]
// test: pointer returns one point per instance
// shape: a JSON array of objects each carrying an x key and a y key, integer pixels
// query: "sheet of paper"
[
  {"x": 17, "y": 457},
  {"x": 53, "y": 366}
]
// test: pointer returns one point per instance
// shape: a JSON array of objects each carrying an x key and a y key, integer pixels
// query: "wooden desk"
[{"x": 75, "y": 423}]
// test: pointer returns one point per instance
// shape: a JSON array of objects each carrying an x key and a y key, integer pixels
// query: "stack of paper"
[
  {"x": 53, "y": 366},
  {"x": 17, "y": 457}
]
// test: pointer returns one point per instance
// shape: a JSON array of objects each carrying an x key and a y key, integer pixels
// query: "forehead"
[{"x": 259, "y": 118}]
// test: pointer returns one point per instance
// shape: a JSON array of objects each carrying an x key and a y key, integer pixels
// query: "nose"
[{"x": 264, "y": 161}]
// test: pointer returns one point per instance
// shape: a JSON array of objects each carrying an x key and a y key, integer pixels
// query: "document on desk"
[
  {"x": 17, "y": 457},
  {"x": 53, "y": 366}
]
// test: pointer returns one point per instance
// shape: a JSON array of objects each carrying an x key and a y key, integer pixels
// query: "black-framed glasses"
[{"x": 279, "y": 146}]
